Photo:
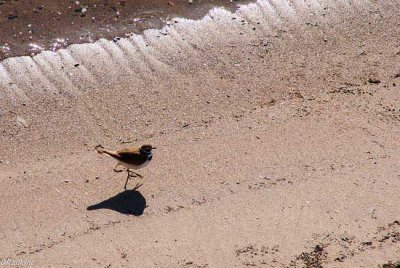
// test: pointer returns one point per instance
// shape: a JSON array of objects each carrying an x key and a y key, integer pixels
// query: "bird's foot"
[
  {"x": 117, "y": 170},
  {"x": 134, "y": 174}
]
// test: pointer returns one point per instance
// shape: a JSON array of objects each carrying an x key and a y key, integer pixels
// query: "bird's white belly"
[{"x": 130, "y": 166}]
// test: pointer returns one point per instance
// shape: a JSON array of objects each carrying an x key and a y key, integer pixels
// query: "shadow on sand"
[{"x": 129, "y": 202}]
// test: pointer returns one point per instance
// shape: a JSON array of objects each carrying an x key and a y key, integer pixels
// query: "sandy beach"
[{"x": 277, "y": 130}]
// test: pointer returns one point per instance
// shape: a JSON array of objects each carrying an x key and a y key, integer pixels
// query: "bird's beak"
[{"x": 153, "y": 147}]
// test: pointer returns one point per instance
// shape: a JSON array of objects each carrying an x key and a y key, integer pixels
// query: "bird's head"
[{"x": 147, "y": 148}]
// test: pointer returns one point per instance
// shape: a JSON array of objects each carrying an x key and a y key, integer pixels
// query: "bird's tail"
[{"x": 100, "y": 149}]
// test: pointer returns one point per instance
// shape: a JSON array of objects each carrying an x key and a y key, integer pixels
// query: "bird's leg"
[
  {"x": 127, "y": 178},
  {"x": 126, "y": 183},
  {"x": 130, "y": 175},
  {"x": 117, "y": 170}
]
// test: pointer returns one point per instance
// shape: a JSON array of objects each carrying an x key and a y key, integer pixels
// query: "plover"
[{"x": 130, "y": 158}]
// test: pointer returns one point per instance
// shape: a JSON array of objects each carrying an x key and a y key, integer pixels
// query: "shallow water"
[{"x": 29, "y": 27}]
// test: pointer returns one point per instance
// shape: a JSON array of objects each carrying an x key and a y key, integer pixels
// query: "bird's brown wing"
[
  {"x": 132, "y": 156},
  {"x": 133, "y": 150}
]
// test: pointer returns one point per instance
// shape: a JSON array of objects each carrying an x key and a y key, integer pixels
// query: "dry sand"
[{"x": 277, "y": 130}]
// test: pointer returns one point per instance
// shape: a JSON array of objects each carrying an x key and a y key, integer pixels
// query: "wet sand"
[
  {"x": 29, "y": 27},
  {"x": 277, "y": 143}
]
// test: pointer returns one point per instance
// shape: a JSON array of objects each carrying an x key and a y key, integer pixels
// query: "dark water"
[{"x": 28, "y": 27}]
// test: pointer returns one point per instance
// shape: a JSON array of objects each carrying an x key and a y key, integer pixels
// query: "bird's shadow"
[{"x": 130, "y": 202}]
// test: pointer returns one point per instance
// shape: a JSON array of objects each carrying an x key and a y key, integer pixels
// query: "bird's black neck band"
[{"x": 144, "y": 152}]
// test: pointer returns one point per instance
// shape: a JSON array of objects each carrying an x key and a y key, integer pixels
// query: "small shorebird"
[{"x": 130, "y": 158}]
